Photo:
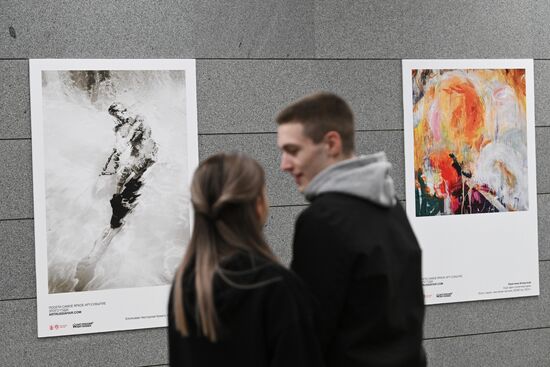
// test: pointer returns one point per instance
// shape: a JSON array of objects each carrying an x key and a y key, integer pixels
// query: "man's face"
[
  {"x": 121, "y": 116},
  {"x": 301, "y": 157}
]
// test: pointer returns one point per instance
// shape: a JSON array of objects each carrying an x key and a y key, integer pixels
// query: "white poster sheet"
[
  {"x": 470, "y": 177},
  {"x": 114, "y": 146}
]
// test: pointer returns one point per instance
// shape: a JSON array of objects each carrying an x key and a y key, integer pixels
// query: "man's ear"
[{"x": 334, "y": 142}]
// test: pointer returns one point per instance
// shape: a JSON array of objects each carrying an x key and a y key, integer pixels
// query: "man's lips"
[{"x": 298, "y": 177}]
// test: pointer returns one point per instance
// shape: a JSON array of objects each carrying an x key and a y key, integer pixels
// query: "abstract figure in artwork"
[{"x": 133, "y": 153}]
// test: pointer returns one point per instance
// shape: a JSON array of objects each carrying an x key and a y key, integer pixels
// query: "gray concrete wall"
[{"x": 254, "y": 57}]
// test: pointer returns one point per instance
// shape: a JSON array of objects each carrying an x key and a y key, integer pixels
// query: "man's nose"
[{"x": 286, "y": 164}]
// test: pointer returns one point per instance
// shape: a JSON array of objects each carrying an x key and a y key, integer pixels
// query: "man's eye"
[{"x": 292, "y": 150}]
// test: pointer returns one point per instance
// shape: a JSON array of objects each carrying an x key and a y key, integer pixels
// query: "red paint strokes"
[{"x": 441, "y": 162}]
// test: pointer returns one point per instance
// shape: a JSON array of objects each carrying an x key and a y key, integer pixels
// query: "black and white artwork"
[{"x": 114, "y": 146}]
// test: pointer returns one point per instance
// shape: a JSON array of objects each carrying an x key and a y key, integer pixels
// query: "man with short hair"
[{"x": 353, "y": 246}]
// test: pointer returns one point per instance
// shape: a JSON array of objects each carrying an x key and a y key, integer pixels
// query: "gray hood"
[{"x": 366, "y": 176}]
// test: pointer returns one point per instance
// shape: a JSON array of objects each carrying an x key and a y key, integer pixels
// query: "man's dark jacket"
[{"x": 355, "y": 249}]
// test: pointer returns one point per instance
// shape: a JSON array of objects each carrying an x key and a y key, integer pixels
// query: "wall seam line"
[
  {"x": 14, "y": 219},
  {"x": 289, "y": 205},
  {"x": 488, "y": 333},
  {"x": 17, "y": 299},
  {"x": 263, "y": 58},
  {"x": 248, "y": 58},
  {"x": 270, "y": 132}
]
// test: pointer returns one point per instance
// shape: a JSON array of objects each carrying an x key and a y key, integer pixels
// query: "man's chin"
[
  {"x": 301, "y": 187},
  {"x": 300, "y": 184}
]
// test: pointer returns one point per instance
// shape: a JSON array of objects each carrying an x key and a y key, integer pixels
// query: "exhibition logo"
[{"x": 57, "y": 327}]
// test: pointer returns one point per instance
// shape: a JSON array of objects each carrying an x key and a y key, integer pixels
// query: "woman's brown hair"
[{"x": 224, "y": 193}]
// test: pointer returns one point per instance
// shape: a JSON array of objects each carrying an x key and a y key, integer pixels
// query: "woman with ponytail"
[{"x": 232, "y": 303}]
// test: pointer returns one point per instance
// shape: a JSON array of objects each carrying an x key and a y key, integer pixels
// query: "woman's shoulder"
[
  {"x": 260, "y": 272},
  {"x": 284, "y": 287},
  {"x": 288, "y": 278}
]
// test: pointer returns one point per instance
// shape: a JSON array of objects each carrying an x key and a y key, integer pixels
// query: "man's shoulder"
[
  {"x": 339, "y": 203},
  {"x": 347, "y": 214},
  {"x": 326, "y": 212}
]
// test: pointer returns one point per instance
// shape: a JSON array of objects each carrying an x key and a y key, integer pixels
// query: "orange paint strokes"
[
  {"x": 465, "y": 111},
  {"x": 460, "y": 112},
  {"x": 516, "y": 79},
  {"x": 510, "y": 178},
  {"x": 423, "y": 137},
  {"x": 430, "y": 94},
  {"x": 422, "y": 143}
]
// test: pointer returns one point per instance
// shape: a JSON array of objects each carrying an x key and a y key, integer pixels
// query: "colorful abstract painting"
[
  {"x": 470, "y": 141},
  {"x": 469, "y": 144}
]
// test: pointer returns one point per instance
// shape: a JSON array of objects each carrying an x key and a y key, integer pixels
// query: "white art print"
[
  {"x": 114, "y": 147},
  {"x": 471, "y": 176}
]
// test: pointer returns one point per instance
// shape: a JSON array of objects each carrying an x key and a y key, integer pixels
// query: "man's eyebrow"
[{"x": 289, "y": 146}]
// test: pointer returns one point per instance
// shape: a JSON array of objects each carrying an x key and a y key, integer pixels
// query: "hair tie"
[
  {"x": 213, "y": 214},
  {"x": 207, "y": 213}
]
